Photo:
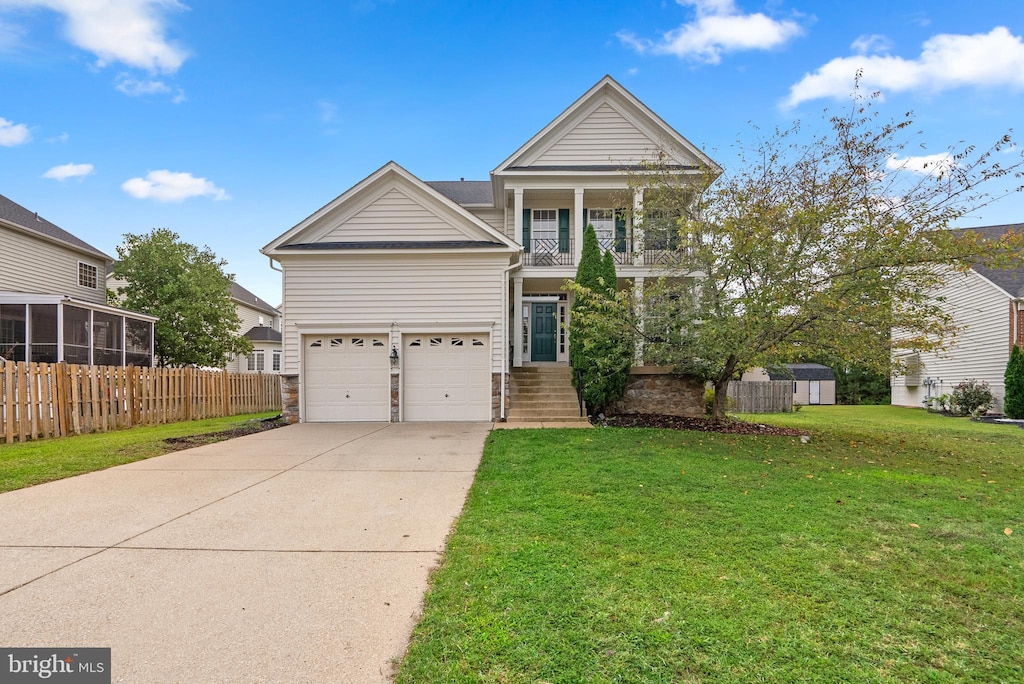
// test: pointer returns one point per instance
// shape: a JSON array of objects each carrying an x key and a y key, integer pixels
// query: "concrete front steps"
[{"x": 543, "y": 393}]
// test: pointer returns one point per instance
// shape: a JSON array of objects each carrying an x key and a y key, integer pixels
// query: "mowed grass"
[
  {"x": 878, "y": 552},
  {"x": 35, "y": 462}
]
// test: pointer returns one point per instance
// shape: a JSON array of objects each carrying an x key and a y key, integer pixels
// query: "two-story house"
[
  {"x": 262, "y": 325},
  {"x": 412, "y": 300},
  {"x": 988, "y": 306},
  {"x": 53, "y": 298}
]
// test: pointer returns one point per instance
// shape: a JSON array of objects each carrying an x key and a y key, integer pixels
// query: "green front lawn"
[
  {"x": 34, "y": 462},
  {"x": 878, "y": 552}
]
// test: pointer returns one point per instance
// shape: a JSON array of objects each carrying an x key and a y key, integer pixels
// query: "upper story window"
[
  {"x": 603, "y": 221},
  {"x": 87, "y": 275},
  {"x": 545, "y": 224}
]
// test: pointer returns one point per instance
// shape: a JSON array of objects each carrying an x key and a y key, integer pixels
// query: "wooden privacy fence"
[
  {"x": 773, "y": 396},
  {"x": 40, "y": 400}
]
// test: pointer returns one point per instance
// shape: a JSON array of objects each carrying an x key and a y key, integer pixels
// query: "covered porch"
[{"x": 53, "y": 328}]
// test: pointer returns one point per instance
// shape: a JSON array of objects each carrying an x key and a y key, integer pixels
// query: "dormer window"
[{"x": 87, "y": 275}]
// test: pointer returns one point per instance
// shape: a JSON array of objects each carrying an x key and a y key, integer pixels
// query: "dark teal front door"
[{"x": 543, "y": 330}]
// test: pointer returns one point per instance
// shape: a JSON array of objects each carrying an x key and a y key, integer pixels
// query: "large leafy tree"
[
  {"x": 187, "y": 288},
  {"x": 814, "y": 245},
  {"x": 601, "y": 355}
]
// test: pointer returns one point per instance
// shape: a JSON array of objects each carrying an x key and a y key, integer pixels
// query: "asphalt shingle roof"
[
  {"x": 465, "y": 192},
  {"x": 1011, "y": 279},
  {"x": 12, "y": 212},
  {"x": 803, "y": 371},
  {"x": 246, "y": 297},
  {"x": 262, "y": 333}
]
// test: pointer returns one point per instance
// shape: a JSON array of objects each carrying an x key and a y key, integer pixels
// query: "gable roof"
[
  {"x": 249, "y": 299},
  {"x": 464, "y": 192},
  {"x": 801, "y": 371},
  {"x": 17, "y": 216},
  {"x": 1009, "y": 279},
  {"x": 557, "y": 147},
  {"x": 390, "y": 209}
]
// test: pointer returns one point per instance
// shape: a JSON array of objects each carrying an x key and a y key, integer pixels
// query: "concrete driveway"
[{"x": 296, "y": 555}]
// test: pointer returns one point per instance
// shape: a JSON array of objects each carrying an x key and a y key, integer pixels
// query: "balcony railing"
[
  {"x": 554, "y": 252},
  {"x": 549, "y": 252}
]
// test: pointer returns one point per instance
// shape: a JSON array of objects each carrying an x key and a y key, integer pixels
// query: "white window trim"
[
  {"x": 95, "y": 268},
  {"x": 533, "y": 225}
]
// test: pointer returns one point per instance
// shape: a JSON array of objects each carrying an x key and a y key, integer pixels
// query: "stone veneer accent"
[
  {"x": 654, "y": 389},
  {"x": 394, "y": 396},
  {"x": 290, "y": 398}
]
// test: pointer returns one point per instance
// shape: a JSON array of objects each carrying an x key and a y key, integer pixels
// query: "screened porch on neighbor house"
[{"x": 51, "y": 329}]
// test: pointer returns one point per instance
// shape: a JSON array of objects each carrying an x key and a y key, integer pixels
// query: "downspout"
[
  {"x": 505, "y": 324},
  {"x": 272, "y": 265}
]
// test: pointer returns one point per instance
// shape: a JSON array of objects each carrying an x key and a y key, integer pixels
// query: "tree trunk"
[{"x": 721, "y": 398}]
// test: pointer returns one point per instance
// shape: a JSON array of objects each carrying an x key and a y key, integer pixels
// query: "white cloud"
[
  {"x": 946, "y": 61},
  {"x": 719, "y": 28},
  {"x": 928, "y": 164},
  {"x": 62, "y": 138},
  {"x": 135, "y": 88},
  {"x": 169, "y": 186},
  {"x": 126, "y": 31},
  {"x": 10, "y": 37},
  {"x": 12, "y": 134},
  {"x": 874, "y": 43},
  {"x": 66, "y": 171}
]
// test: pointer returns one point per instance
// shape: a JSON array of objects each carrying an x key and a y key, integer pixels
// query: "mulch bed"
[
  {"x": 251, "y": 427},
  {"x": 732, "y": 427}
]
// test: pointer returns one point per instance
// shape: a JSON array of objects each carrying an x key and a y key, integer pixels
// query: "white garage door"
[
  {"x": 447, "y": 377},
  {"x": 346, "y": 378}
]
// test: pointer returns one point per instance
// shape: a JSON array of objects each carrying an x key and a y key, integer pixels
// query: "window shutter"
[
  {"x": 526, "y": 230},
  {"x": 563, "y": 230},
  {"x": 620, "y": 230}
]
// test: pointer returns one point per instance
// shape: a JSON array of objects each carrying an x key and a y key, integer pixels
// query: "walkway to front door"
[{"x": 543, "y": 331}]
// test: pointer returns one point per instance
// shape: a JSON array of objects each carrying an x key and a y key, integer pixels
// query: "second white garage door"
[
  {"x": 447, "y": 377},
  {"x": 346, "y": 378}
]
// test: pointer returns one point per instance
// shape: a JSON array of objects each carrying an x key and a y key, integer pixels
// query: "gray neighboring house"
[
  {"x": 813, "y": 383},
  {"x": 262, "y": 325},
  {"x": 53, "y": 298},
  {"x": 988, "y": 304}
]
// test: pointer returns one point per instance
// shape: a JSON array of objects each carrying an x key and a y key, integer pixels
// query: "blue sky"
[{"x": 229, "y": 122}]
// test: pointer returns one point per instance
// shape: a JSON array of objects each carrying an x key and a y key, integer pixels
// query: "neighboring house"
[
  {"x": 262, "y": 325},
  {"x": 813, "y": 383},
  {"x": 53, "y": 298},
  {"x": 260, "y": 322},
  {"x": 409, "y": 300},
  {"x": 988, "y": 305}
]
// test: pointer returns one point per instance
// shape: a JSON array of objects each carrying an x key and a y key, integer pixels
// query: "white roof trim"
[{"x": 355, "y": 194}]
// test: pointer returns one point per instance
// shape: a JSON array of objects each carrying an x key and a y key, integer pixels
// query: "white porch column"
[
  {"x": 517, "y": 319},
  {"x": 517, "y": 215},
  {"x": 638, "y": 295},
  {"x": 638, "y": 229},
  {"x": 577, "y": 250}
]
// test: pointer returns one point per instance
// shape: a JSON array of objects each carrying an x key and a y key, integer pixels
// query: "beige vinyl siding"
[
  {"x": 605, "y": 136},
  {"x": 495, "y": 218},
  {"x": 394, "y": 216},
  {"x": 45, "y": 268},
  {"x": 428, "y": 291},
  {"x": 980, "y": 351}
]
